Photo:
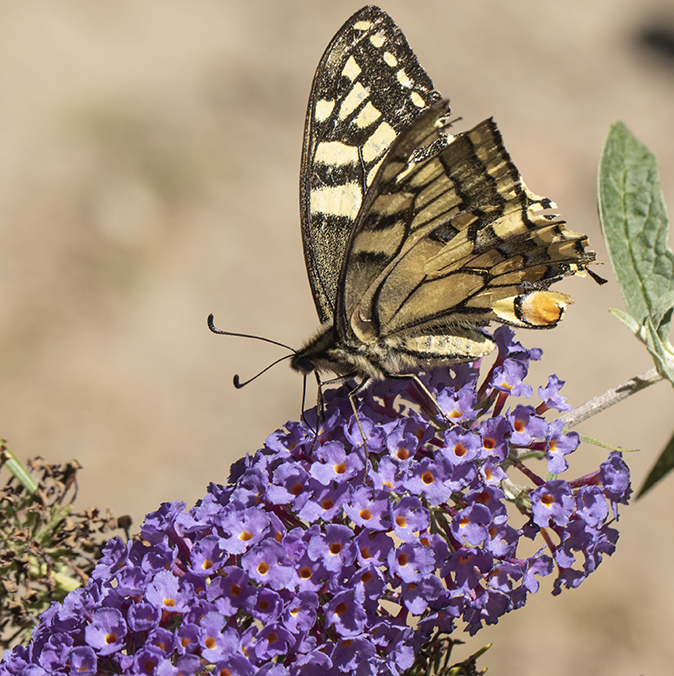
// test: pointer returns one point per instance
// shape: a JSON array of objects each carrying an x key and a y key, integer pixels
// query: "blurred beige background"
[{"x": 149, "y": 156}]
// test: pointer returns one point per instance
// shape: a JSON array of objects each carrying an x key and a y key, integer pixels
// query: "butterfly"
[{"x": 415, "y": 239}]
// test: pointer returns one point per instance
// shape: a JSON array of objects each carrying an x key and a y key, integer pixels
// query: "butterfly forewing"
[{"x": 368, "y": 87}]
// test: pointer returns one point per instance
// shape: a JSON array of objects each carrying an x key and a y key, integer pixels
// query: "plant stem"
[{"x": 610, "y": 397}]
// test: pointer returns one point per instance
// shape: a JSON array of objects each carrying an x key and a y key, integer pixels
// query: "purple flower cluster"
[{"x": 327, "y": 555}]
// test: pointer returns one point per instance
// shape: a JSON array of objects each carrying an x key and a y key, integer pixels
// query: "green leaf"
[
  {"x": 627, "y": 320},
  {"x": 601, "y": 444},
  {"x": 660, "y": 350},
  {"x": 18, "y": 470},
  {"x": 662, "y": 306},
  {"x": 634, "y": 222},
  {"x": 635, "y": 227},
  {"x": 664, "y": 465}
]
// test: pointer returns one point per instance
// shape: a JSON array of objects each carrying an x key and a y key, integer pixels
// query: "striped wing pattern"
[
  {"x": 367, "y": 89},
  {"x": 454, "y": 240}
]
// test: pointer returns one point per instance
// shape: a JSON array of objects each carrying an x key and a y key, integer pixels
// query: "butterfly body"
[
  {"x": 415, "y": 239},
  {"x": 380, "y": 358}
]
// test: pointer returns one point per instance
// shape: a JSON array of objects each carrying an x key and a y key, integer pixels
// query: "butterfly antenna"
[
  {"x": 238, "y": 384},
  {"x": 212, "y": 327}
]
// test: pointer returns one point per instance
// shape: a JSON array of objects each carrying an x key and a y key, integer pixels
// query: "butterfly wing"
[
  {"x": 367, "y": 89},
  {"x": 451, "y": 238}
]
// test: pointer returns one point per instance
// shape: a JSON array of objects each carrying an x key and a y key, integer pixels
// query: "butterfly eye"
[{"x": 302, "y": 364}]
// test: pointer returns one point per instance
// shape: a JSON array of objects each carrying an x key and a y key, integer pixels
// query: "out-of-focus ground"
[{"x": 149, "y": 159}]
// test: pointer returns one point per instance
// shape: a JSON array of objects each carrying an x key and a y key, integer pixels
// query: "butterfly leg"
[
  {"x": 320, "y": 408},
  {"x": 419, "y": 383},
  {"x": 320, "y": 403},
  {"x": 361, "y": 387}
]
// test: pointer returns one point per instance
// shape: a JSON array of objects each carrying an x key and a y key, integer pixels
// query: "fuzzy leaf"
[
  {"x": 662, "y": 467},
  {"x": 627, "y": 320},
  {"x": 635, "y": 227}
]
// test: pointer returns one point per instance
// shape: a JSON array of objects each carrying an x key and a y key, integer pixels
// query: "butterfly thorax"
[{"x": 327, "y": 352}]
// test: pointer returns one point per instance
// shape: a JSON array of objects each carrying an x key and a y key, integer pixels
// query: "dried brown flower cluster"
[{"x": 46, "y": 548}]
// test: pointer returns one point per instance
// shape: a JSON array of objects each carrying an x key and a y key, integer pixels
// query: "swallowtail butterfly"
[{"x": 414, "y": 239}]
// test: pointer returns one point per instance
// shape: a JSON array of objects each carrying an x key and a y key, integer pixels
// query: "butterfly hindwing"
[
  {"x": 453, "y": 240},
  {"x": 368, "y": 88}
]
